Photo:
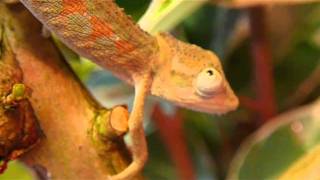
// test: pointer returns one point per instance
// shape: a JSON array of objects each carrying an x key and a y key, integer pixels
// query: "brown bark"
[{"x": 70, "y": 148}]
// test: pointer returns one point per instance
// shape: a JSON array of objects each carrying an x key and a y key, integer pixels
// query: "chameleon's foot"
[
  {"x": 139, "y": 145},
  {"x": 131, "y": 171},
  {"x": 139, "y": 153}
]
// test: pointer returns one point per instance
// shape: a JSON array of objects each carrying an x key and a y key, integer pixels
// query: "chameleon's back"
[{"x": 99, "y": 30}]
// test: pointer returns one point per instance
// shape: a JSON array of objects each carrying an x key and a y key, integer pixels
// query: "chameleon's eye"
[{"x": 208, "y": 82}]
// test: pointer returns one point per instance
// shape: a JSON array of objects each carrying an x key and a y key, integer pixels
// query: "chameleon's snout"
[
  {"x": 231, "y": 103},
  {"x": 213, "y": 89},
  {"x": 219, "y": 103}
]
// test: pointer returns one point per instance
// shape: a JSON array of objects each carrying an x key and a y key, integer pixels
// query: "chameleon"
[{"x": 159, "y": 65}]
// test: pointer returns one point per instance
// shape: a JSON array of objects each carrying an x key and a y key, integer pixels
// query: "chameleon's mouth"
[
  {"x": 220, "y": 103},
  {"x": 217, "y": 105}
]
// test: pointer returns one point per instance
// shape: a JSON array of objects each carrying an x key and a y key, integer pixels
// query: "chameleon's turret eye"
[{"x": 208, "y": 82}]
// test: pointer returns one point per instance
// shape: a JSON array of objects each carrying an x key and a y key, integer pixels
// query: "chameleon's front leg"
[{"x": 136, "y": 132}]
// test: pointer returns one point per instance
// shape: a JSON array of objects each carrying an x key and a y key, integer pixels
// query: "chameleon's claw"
[{"x": 130, "y": 172}]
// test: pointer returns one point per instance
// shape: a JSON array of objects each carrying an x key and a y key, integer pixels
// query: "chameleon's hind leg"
[{"x": 139, "y": 146}]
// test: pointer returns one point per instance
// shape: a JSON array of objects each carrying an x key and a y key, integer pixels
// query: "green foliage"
[
  {"x": 278, "y": 145},
  {"x": 17, "y": 171},
  {"x": 272, "y": 156},
  {"x": 134, "y": 8}
]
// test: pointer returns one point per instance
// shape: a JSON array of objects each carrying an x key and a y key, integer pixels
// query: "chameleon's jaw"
[
  {"x": 220, "y": 105},
  {"x": 225, "y": 107}
]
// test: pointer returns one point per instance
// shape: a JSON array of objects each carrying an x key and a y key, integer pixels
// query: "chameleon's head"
[{"x": 191, "y": 77}]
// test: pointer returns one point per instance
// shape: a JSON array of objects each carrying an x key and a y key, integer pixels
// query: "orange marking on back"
[
  {"x": 73, "y": 6},
  {"x": 100, "y": 28},
  {"x": 124, "y": 46}
]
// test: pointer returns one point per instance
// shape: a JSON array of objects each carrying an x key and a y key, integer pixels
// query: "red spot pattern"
[
  {"x": 100, "y": 28},
  {"x": 124, "y": 46},
  {"x": 72, "y": 6}
]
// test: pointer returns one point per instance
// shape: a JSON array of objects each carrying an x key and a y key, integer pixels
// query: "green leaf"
[
  {"x": 306, "y": 167},
  {"x": 278, "y": 144},
  {"x": 163, "y": 15}
]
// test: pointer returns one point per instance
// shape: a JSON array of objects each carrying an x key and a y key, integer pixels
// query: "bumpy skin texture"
[
  {"x": 99, "y": 30},
  {"x": 161, "y": 65}
]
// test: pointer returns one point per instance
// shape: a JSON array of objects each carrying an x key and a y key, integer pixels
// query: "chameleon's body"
[
  {"x": 94, "y": 31},
  {"x": 161, "y": 65}
]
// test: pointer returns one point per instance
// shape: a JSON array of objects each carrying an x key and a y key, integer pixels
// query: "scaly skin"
[
  {"x": 99, "y": 30},
  {"x": 161, "y": 65}
]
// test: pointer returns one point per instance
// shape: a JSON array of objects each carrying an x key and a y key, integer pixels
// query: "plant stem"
[
  {"x": 171, "y": 133},
  {"x": 262, "y": 64}
]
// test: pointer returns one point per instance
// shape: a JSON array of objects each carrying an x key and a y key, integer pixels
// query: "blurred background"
[{"x": 271, "y": 57}]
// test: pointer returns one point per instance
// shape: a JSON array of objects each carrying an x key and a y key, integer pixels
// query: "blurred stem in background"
[
  {"x": 171, "y": 133},
  {"x": 262, "y": 58}
]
